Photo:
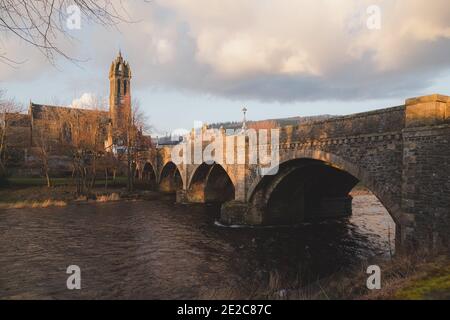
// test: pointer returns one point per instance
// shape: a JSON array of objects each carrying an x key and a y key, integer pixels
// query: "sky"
[{"x": 197, "y": 60}]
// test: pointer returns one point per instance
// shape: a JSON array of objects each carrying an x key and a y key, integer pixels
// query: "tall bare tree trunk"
[
  {"x": 106, "y": 179},
  {"x": 48, "y": 180},
  {"x": 47, "y": 175},
  {"x": 129, "y": 172}
]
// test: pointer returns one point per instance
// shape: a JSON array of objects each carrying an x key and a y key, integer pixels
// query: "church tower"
[{"x": 119, "y": 96}]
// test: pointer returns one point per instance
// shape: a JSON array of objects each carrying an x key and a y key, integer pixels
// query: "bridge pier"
[
  {"x": 237, "y": 213},
  {"x": 181, "y": 196},
  {"x": 195, "y": 196},
  {"x": 242, "y": 213},
  {"x": 425, "y": 195}
]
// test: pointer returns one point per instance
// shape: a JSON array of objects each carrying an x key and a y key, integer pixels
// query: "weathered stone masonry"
[{"x": 401, "y": 154}]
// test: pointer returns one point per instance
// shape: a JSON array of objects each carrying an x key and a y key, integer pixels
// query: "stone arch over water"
[
  {"x": 210, "y": 183},
  {"x": 170, "y": 178}
]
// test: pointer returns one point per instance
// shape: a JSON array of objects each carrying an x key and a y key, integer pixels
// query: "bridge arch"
[
  {"x": 170, "y": 178},
  {"x": 337, "y": 175},
  {"x": 147, "y": 175},
  {"x": 210, "y": 183}
]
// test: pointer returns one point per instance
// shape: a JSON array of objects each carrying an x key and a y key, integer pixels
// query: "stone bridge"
[{"x": 401, "y": 154}]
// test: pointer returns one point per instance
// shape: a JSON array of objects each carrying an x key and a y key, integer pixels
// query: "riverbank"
[
  {"x": 410, "y": 277},
  {"x": 33, "y": 193},
  {"x": 404, "y": 277}
]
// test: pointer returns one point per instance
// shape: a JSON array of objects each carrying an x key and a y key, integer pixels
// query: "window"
[{"x": 67, "y": 132}]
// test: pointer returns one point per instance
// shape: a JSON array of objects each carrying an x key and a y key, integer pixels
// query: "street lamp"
[{"x": 244, "y": 122}]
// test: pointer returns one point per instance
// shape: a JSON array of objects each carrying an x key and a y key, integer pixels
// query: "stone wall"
[{"x": 426, "y": 171}]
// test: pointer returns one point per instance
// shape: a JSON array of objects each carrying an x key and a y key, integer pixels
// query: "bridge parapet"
[
  {"x": 362, "y": 124},
  {"x": 401, "y": 154},
  {"x": 427, "y": 111}
]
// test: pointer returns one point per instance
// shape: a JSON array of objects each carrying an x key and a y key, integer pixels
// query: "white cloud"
[
  {"x": 281, "y": 50},
  {"x": 88, "y": 101},
  {"x": 164, "y": 51},
  {"x": 299, "y": 50}
]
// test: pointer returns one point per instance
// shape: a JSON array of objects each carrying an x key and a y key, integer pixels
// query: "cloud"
[
  {"x": 18, "y": 61},
  {"x": 296, "y": 50},
  {"x": 286, "y": 50},
  {"x": 85, "y": 101},
  {"x": 88, "y": 101}
]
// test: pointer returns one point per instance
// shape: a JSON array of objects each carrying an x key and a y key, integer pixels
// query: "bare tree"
[
  {"x": 87, "y": 144},
  {"x": 76, "y": 135},
  {"x": 108, "y": 163},
  {"x": 42, "y": 23},
  {"x": 48, "y": 137},
  {"x": 43, "y": 153},
  {"x": 136, "y": 125},
  {"x": 10, "y": 112}
]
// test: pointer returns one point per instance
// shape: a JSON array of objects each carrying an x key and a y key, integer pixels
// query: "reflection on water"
[{"x": 161, "y": 250}]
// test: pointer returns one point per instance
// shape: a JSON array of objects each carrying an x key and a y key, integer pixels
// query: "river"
[{"x": 162, "y": 250}]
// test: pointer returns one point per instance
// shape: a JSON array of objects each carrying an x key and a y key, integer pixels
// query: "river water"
[{"x": 162, "y": 250}]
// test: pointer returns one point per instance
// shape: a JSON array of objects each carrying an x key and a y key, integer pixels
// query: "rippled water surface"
[{"x": 162, "y": 250}]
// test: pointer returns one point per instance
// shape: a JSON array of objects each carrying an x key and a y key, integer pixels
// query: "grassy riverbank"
[
  {"x": 33, "y": 193},
  {"x": 18, "y": 182},
  {"x": 405, "y": 277},
  {"x": 411, "y": 277}
]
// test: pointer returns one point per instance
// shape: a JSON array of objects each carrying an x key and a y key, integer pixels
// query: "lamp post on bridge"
[{"x": 244, "y": 121}]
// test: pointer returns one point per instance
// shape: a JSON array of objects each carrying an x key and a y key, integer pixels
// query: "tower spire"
[{"x": 119, "y": 95}]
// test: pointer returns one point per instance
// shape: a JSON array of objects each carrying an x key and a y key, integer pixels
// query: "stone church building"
[{"x": 56, "y": 125}]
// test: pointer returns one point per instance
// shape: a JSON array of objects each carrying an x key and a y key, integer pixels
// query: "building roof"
[
  {"x": 39, "y": 111},
  {"x": 17, "y": 119}
]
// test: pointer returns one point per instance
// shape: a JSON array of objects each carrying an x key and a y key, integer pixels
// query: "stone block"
[
  {"x": 181, "y": 196},
  {"x": 234, "y": 212},
  {"x": 426, "y": 110}
]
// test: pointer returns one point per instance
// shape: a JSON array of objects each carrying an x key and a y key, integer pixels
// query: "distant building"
[
  {"x": 168, "y": 140},
  {"x": 55, "y": 124}
]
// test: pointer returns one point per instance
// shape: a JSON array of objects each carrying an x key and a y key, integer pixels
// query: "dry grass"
[
  {"x": 415, "y": 277},
  {"x": 397, "y": 274},
  {"x": 108, "y": 197},
  {"x": 403, "y": 277},
  {"x": 43, "y": 197},
  {"x": 33, "y": 204}
]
